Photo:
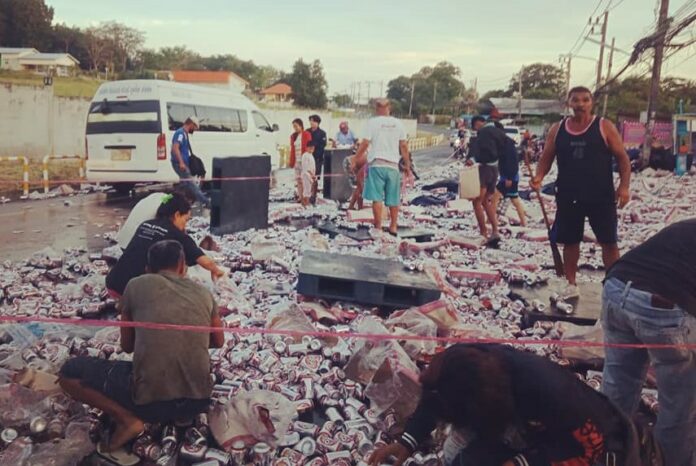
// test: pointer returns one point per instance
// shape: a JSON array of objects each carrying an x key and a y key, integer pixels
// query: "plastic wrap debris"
[
  {"x": 252, "y": 417},
  {"x": 289, "y": 317},
  {"x": 412, "y": 322},
  {"x": 589, "y": 354}
]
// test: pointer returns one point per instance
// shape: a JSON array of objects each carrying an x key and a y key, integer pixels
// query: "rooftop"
[
  {"x": 277, "y": 89},
  {"x": 208, "y": 77},
  {"x": 508, "y": 105}
]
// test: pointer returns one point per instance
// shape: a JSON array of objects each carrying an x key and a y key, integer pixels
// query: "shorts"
[
  {"x": 569, "y": 226},
  {"x": 113, "y": 379},
  {"x": 318, "y": 164},
  {"x": 383, "y": 184},
  {"x": 488, "y": 177},
  {"x": 513, "y": 191}
]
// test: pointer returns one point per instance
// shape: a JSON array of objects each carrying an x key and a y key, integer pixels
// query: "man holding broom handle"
[{"x": 583, "y": 146}]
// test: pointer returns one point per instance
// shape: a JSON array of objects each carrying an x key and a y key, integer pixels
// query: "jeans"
[
  {"x": 192, "y": 184},
  {"x": 629, "y": 318}
]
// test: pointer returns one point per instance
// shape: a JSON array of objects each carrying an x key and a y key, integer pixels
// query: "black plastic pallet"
[
  {"x": 365, "y": 280},
  {"x": 359, "y": 233},
  {"x": 416, "y": 234},
  {"x": 587, "y": 308}
]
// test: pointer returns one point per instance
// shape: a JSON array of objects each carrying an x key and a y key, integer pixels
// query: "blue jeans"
[
  {"x": 629, "y": 318},
  {"x": 191, "y": 184}
]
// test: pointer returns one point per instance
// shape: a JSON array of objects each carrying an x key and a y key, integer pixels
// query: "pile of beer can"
[{"x": 336, "y": 422}]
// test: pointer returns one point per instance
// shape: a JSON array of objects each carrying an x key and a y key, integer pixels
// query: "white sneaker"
[{"x": 569, "y": 292}]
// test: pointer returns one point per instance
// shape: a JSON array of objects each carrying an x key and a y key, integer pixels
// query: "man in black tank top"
[{"x": 583, "y": 146}]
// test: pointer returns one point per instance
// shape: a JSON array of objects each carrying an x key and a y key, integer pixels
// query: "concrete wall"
[{"x": 29, "y": 115}]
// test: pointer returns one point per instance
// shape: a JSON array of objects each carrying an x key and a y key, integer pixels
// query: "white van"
[{"x": 130, "y": 126}]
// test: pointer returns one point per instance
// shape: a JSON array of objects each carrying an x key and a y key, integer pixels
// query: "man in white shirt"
[{"x": 386, "y": 139}]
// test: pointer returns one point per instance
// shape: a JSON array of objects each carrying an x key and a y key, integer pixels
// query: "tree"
[
  {"x": 25, "y": 23},
  {"x": 72, "y": 40},
  {"x": 122, "y": 44},
  {"x": 97, "y": 44},
  {"x": 399, "y": 93},
  {"x": 539, "y": 81},
  {"x": 308, "y": 84},
  {"x": 342, "y": 100},
  {"x": 438, "y": 88}
]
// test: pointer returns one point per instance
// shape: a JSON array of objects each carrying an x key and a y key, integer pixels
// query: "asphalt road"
[{"x": 80, "y": 221}]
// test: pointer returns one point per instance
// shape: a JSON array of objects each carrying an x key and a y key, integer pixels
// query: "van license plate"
[{"x": 121, "y": 155}]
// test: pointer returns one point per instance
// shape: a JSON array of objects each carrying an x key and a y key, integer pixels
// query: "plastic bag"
[
  {"x": 412, "y": 322},
  {"x": 254, "y": 416},
  {"x": 263, "y": 249},
  {"x": 69, "y": 451},
  {"x": 288, "y": 316},
  {"x": 469, "y": 183},
  {"x": 588, "y": 354}
]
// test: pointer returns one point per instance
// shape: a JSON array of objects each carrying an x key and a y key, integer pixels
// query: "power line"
[{"x": 582, "y": 33}]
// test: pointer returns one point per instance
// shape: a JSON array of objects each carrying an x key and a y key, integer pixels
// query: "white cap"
[{"x": 193, "y": 119}]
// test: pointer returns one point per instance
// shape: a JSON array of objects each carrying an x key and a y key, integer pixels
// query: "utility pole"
[
  {"x": 381, "y": 89},
  {"x": 369, "y": 83},
  {"x": 359, "y": 92},
  {"x": 434, "y": 95},
  {"x": 662, "y": 25},
  {"x": 606, "y": 90},
  {"x": 410, "y": 106},
  {"x": 519, "y": 96},
  {"x": 565, "y": 61},
  {"x": 601, "y": 49}
]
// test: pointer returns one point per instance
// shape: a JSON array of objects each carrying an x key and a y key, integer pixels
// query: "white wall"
[{"x": 29, "y": 114}]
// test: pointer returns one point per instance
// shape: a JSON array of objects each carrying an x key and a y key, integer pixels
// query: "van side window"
[
  {"x": 178, "y": 113},
  {"x": 221, "y": 120},
  {"x": 261, "y": 122}
]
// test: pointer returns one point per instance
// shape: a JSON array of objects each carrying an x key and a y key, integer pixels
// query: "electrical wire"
[{"x": 582, "y": 33}]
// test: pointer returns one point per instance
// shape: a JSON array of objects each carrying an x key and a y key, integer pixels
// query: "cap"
[
  {"x": 194, "y": 119},
  {"x": 382, "y": 102}
]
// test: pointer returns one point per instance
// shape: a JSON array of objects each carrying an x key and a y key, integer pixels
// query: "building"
[
  {"x": 220, "y": 79},
  {"x": 59, "y": 64},
  {"x": 508, "y": 106},
  {"x": 27, "y": 59},
  {"x": 9, "y": 57},
  {"x": 280, "y": 92}
]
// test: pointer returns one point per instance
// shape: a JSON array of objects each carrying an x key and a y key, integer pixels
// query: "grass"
[
  {"x": 11, "y": 175},
  {"x": 74, "y": 86}
]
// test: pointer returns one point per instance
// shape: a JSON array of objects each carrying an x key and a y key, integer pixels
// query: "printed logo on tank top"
[{"x": 578, "y": 148}]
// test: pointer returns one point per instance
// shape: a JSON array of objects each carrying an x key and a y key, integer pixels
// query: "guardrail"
[
  {"x": 25, "y": 171},
  {"x": 48, "y": 158},
  {"x": 413, "y": 145}
]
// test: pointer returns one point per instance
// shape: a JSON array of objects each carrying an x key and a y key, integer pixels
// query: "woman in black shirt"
[{"x": 170, "y": 223}]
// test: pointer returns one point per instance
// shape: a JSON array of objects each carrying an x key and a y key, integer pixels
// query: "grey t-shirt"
[{"x": 169, "y": 364}]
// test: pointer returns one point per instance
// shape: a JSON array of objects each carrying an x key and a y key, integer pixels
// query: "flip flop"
[
  {"x": 121, "y": 456},
  {"x": 493, "y": 242}
]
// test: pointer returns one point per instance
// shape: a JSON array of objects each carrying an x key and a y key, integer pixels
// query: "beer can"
[
  {"x": 8, "y": 436},
  {"x": 305, "y": 428},
  {"x": 192, "y": 453},
  {"x": 238, "y": 452},
  {"x": 220, "y": 456},
  {"x": 262, "y": 454},
  {"x": 564, "y": 308},
  {"x": 307, "y": 446},
  {"x": 333, "y": 415},
  {"x": 289, "y": 439},
  {"x": 37, "y": 425},
  {"x": 334, "y": 456},
  {"x": 193, "y": 436},
  {"x": 326, "y": 443},
  {"x": 295, "y": 456},
  {"x": 146, "y": 448}
]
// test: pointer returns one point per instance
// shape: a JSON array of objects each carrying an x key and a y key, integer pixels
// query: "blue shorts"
[
  {"x": 511, "y": 192},
  {"x": 383, "y": 184}
]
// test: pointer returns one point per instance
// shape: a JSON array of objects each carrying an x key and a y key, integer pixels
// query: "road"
[{"x": 80, "y": 221}]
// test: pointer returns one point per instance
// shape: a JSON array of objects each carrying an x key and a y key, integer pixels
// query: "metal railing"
[
  {"x": 48, "y": 158},
  {"x": 25, "y": 171}
]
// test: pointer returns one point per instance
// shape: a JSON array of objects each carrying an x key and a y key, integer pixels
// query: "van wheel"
[{"x": 123, "y": 189}]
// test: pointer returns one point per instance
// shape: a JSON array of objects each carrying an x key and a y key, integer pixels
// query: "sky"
[{"x": 377, "y": 40}]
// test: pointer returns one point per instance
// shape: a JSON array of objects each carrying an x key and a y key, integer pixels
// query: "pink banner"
[{"x": 633, "y": 133}]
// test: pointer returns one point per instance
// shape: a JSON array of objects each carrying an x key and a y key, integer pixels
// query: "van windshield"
[{"x": 124, "y": 116}]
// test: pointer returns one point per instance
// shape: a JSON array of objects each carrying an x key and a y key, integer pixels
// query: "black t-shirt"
[
  {"x": 665, "y": 264},
  {"x": 490, "y": 141},
  {"x": 319, "y": 140},
  {"x": 134, "y": 259}
]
